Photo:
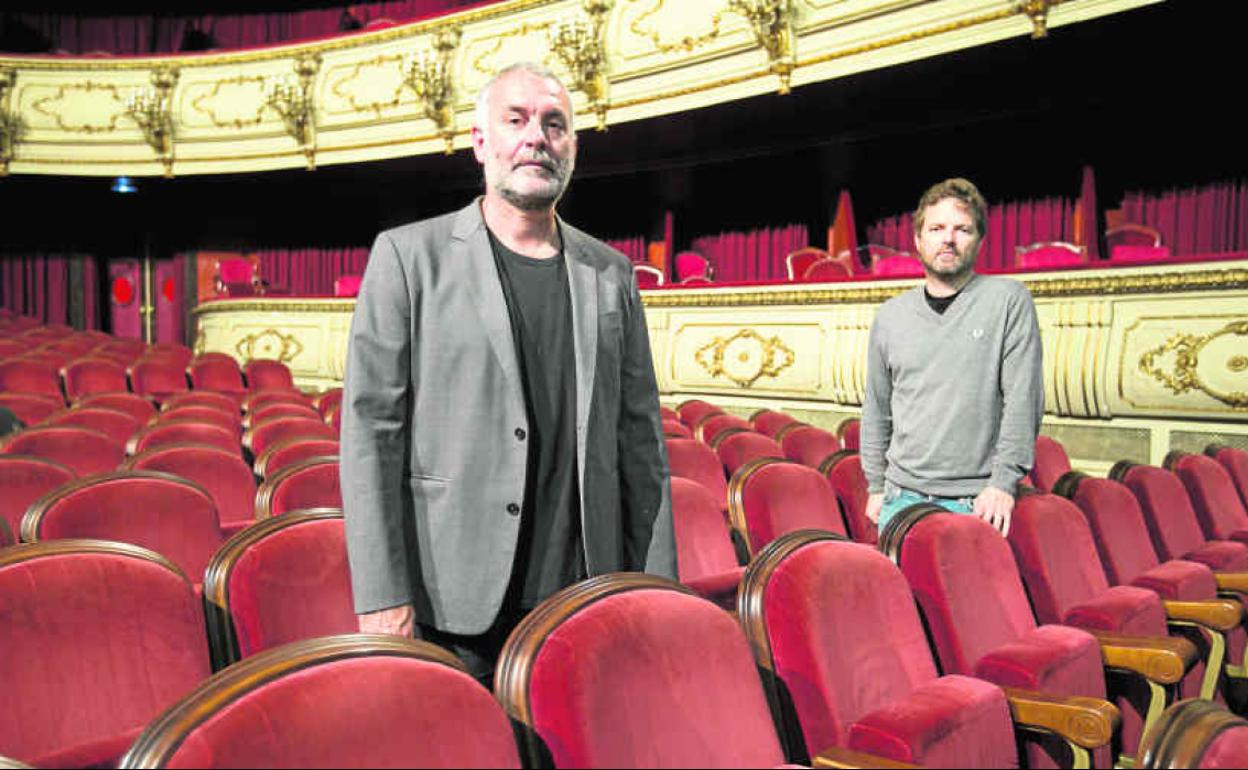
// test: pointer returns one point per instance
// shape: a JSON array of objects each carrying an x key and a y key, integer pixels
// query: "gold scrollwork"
[
  {"x": 1184, "y": 374},
  {"x": 204, "y": 102},
  {"x": 342, "y": 88},
  {"x": 687, "y": 44},
  {"x": 772, "y": 22},
  {"x": 269, "y": 343},
  {"x": 745, "y": 357},
  {"x": 10, "y": 119},
  {"x": 43, "y": 106},
  {"x": 480, "y": 65}
]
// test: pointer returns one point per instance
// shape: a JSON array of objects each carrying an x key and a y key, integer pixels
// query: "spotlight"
[{"x": 124, "y": 184}]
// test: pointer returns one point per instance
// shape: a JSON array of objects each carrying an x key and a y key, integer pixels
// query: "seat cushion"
[
  {"x": 1053, "y": 659},
  {"x": 1221, "y": 555},
  {"x": 1179, "y": 580},
  {"x": 1123, "y": 610},
  {"x": 954, "y": 721},
  {"x": 720, "y": 588}
]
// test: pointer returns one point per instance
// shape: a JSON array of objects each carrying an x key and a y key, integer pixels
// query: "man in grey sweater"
[{"x": 954, "y": 392}]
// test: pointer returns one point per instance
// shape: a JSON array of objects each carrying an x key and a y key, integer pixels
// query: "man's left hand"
[{"x": 995, "y": 506}]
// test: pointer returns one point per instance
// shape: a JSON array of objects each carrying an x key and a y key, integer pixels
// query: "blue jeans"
[{"x": 896, "y": 499}]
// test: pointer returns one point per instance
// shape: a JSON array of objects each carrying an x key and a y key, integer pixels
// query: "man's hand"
[
  {"x": 397, "y": 621},
  {"x": 995, "y": 506},
  {"x": 874, "y": 504}
]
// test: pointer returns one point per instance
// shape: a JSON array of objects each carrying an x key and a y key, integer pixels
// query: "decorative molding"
[
  {"x": 745, "y": 357},
  {"x": 214, "y": 92},
  {"x": 53, "y": 107},
  {"x": 1183, "y": 373},
  {"x": 687, "y": 44},
  {"x": 229, "y": 306},
  {"x": 10, "y": 119},
  {"x": 772, "y": 22},
  {"x": 151, "y": 111},
  {"x": 293, "y": 100},
  {"x": 269, "y": 343},
  {"x": 1038, "y": 12},
  {"x": 580, "y": 45},
  {"x": 430, "y": 79}
]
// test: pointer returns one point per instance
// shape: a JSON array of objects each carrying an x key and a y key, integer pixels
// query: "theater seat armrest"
[
  {"x": 1086, "y": 722},
  {"x": 1218, "y": 614},
  {"x": 1160, "y": 659},
  {"x": 1232, "y": 581},
  {"x": 839, "y": 757}
]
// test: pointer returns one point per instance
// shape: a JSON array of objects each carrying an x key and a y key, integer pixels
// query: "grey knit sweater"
[{"x": 953, "y": 402}]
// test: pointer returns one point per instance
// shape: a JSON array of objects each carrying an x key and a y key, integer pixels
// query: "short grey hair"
[{"x": 482, "y": 111}]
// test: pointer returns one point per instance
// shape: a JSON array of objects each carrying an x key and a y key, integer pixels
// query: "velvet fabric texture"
[
  {"x": 273, "y": 410},
  {"x": 693, "y": 460},
  {"x": 847, "y": 641},
  {"x": 281, "y": 429},
  {"x": 185, "y": 432},
  {"x": 21, "y": 375},
  {"x": 202, "y": 398},
  {"x": 306, "y": 486},
  {"x": 1235, "y": 461},
  {"x": 31, "y": 408},
  {"x": 850, "y": 485},
  {"x": 93, "y": 375},
  {"x": 1172, "y": 522},
  {"x": 768, "y": 422},
  {"x": 695, "y": 409},
  {"x": 714, "y": 424},
  {"x": 118, "y": 426},
  {"x": 210, "y": 415},
  {"x": 291, "y": 451},
  {"x": 1051, "y": 463},
  {"x": 358, "y": 712},
  {"x": 219, "y": 471},
  {"x": 848, "y": 431},
  {"x": 268, "y": 374},
  {"x": 783, "y": 497},
  {"x": 292, "y": 584},
  {"x": 741, "y": 448},
  {"x": 218, "y": 373},
  {"x": 1228, "y": 750},
  {"x": 1217, "y": 503},
  {"x": 24, "y": 480},
  {"x": 158, "y": 378},
  {"x": 1050, "y": 255},
  {"x": 167, "y": 515},
  {"x": 809, "y": 445},
  {"x": 132, "y": 404},
  {"x": 651, "y": 678},
  {"x": 675, "y": 429},
  {"x": 83, "y": 450},
  {"x": 705, "y": 558},
  {"x": 95, "y": 645}
]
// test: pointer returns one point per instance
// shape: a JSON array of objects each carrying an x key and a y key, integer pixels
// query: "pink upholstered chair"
[
  {"x": 358, "y": 700},
  {"x": 171, "y": 351},
  {"x": 207, "y": 398},
  {"x": 261, "y": 398},
  {"x": 184, "y": 432},
  {"x": 218, "y": 373},
  {"x": 93, "y": 375},
  {"x": 769, "y": 421},
  {"x": 768, "y": 498},
  {"x": 221, "y": 472},
  {"x": 843, "y": 470},
  {"x": 267, "y": 374},
  {"x": 259, "y": 437},
  {"x": 648, "y": 276},
  {"x": 887, "y": 261},
  {"x": 695, "y": 409},
  {"x": 796, "y": 263},
  {"x": 712, "y": 425},
  {"x": 737, "y": 449},
  {"x": 1196, "y": 733},
  {"x": 1048, "y": 255},
  {"x": 706, "y": 559},
  {"x": 208, "y": 415},
  {"x": 330, "y": 399},
  {"x": 26, "y": 375},
  {"x": 1235, "y": 461},
  {"x": 668, "y": 413},
  {"x": 847, "y": 431},
  {"x": 693, "y": 460},
  {"x": 631, "y": 670},
  {"x": 117, "y": 425},
  {"x": 31, "y": 408},
  {"x": 308, "y": 484},
  {"x": 281, "y": 581},
  {"x": 24, "y": 480},
  {"x": 83, "y": 450},
  {"x": 347, "y": 285},
  {"x": 676, "y": 429},
  {"x": 835, "y": 631},
  {"x": 237, "y": 278},
  {"x": 168, "y": 514},
  {"x": 808, "y": 445},
  {"x": 1130, "y": 243},
  {"x": 110, "y": 634},
  {"x": 1219, "y": 508},
  {"x": 830, "y": 269},
  {"x": 291, "y": 451},
  {"x": 138, "y": 407},
  {"x": 1051, "y": 463},
  {"x": 158, "y": 378},
  {"x": 276, "y": 410},
  {"x": 692, "y": 266}
]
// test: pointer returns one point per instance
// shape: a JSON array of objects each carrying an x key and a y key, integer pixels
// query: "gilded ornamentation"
[
  {"x": 206, "y": 103},
  {"x": 269, "y": 343},
  {"x": 10, "y": 119},
  {"x": 1184, "y": 373},
  {"x": 581, "y": 47},
  {"x": 109, "y": 110},
  {"x": 1237, "y": 363},
  {"x": 363, "y": 93},
  {"x": 687, "y": 43},
  {"x": 1038, "y": 12},
  {"x": 488, "y": 68},
  {"x": 772, "y": 22},
  {"x": 430, "y": 78},
  {"x": 292, "y": 99},
  {"x": 745, "y": 357},
  {"x": 151, "y": 111}
]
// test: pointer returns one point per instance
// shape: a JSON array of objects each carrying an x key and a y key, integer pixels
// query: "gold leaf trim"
[
  {"x": 1185, "y": 375},
  {"x": 40, "y": 106},
  {"x": 288, "y": 346},
  {"x": 198, "y": 103},
  {"x": 711, "y": 357},
  {"x": 687, "y": 44}
]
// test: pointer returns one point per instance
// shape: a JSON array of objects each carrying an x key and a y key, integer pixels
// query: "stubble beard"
[{"x": 534, "y": 200}]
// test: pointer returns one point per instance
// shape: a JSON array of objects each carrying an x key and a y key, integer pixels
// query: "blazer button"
[
  {"x": 520, "y": 434},
  {"x": 513, "y": 509}
]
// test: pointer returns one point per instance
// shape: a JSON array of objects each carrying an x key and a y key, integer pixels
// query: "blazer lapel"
[
  {"x": 583, "y": 288},
  {"x": 470, "y": 243}
]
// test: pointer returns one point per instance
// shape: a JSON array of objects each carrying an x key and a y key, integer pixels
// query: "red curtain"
[
  {"x": 757, "y": 255},
  {"x": 1018, "y": 223},
  {"x": 633, "y": 247},
  {"x": 1195, "y": 220},
  {"x": 309, "y": 271},
  {"x": 163, "y": 33},
  {"x": 37, "y": 285}
]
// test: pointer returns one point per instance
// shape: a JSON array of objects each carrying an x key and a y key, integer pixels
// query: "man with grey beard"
[{"x": 501, "y": 436}]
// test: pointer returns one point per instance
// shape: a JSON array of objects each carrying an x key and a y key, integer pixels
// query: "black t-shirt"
[
  {"x": 551, "y": 555},
  {"x": 939, "y": 304}
]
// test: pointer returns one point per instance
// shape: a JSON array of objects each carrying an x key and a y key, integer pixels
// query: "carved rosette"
[
  {"x": 1212, "y": 363},
  {"x": 745, "y": 357},
  {"x": 269, "y": 343}
]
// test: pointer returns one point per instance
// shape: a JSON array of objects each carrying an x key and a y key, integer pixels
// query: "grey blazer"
[{"x": 433, "y": 424}]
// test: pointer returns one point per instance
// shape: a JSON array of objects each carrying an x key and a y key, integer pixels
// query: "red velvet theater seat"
[
  {"x": 221, "y": 472},
  {"x": 968, "y": 588},
  {"x": 283, "y": 580},
  {"x": 262, "y": 398},
  {"x": 797, "y": 262},
  {"x": 331, "y": 399},
  {"x": 308, "y": 484},
  {"x": 769, "y": 498},
  {"x": 1196, "y": 733},
  {"x": 268, "y": 374},
  {"x": 1218, "y": 507},
  {"x": 1051, "y": 463},
  {"x": 1172, "y": 523},
  {"x": 706, "y": 559},
  {"x": 694, "y": 409},
  {"x": 25, "y": 479},
  {"x": 206, "y": 415},
  {"x": 843, "y": 470},
  {"x": 81, "y": 449},
  {"x": 631, "y": 670},
  {"x": 272, "y": 411},
  {"x": 202, "y": 398},
  {"x": 172, "y": 351},
  {"x": 847, "y": 431},
  {"x": 93, "y": 375},
  {"x": 675, "y": 429},
  {"x": 769, "y": 421},
  {"x": 713, "y": 425},
  {"x": 261, "y": 437},
  {"x": 24, "y": 375},
  {"x": 809, "y": 445},
  {"x": 340, "y": 701},
  {"x": 117, "y": 425},
  {"x": 1235, "y": 461},
  {"x": 97, "y": 638},
  {"x": 690, "y": 459},
  {"x": 158, "y": 378},
  {"x": 218, "y": 373},
  {"x": 291, "y": 451},
  {"x": 167, "y": 514},
  {"x": 31, "y": 408},
  {"x": 834, "y": 627},
  {"x": 138, "y": 407},
  {"x": 1049, "y": 255},
  {"x": 736, "y": 450},
  {"x": 184, "y": 432}
]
